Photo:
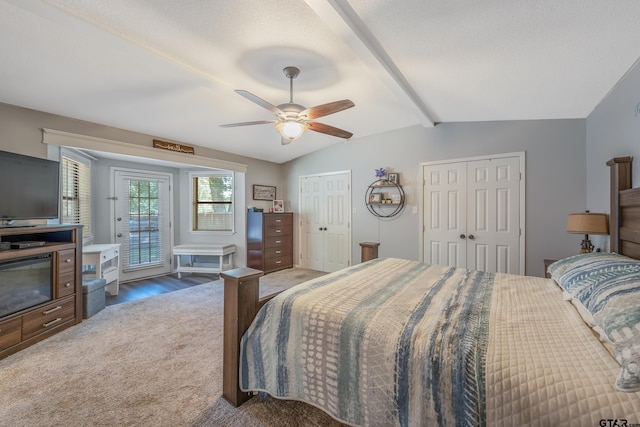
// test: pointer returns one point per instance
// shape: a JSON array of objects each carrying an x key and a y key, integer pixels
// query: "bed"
[{"x": 397, "y": 342}]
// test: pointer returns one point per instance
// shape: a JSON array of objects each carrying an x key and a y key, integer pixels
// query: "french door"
[
  {"x": 142, "y": 222},
  {"x": 325, "y": 233}
]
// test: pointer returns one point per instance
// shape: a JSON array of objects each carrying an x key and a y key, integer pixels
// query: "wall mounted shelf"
[{"x": 384, "y": 199}]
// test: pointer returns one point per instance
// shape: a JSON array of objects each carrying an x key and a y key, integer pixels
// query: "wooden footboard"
[{"x": 241, "y": 304}]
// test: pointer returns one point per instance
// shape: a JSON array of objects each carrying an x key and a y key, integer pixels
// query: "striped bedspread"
[{"x": 388, "y": 342}]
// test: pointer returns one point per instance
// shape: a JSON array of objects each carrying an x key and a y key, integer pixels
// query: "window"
[
  {"x": 212, "y": 201},
  {"x": 76, "y": 192}
]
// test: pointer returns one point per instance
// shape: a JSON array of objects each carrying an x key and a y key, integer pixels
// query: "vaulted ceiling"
[{"x": 169, "y": 68}]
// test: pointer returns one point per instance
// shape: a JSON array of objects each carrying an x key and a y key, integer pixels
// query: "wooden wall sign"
[{"x": 180, "y": 148}]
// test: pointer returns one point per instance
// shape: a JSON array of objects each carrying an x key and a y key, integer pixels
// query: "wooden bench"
[{"x": 222, "y": 258}]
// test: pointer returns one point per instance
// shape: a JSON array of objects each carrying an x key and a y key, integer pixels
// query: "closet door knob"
[
  {"x": 471, "y": 237},
  {"x": 462, "y": 236}
]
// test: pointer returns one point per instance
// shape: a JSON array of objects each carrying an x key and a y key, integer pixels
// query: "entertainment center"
[{"x": 40, "y": 284}]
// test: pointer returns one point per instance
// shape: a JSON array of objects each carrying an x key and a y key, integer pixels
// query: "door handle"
[
  {"x": 119, "y": 234},
  {"x": 471, "y": 237},
  {"x": 462, "y": 236}
]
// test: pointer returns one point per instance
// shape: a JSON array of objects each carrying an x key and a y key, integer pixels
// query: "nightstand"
[{"x": 547, "y": 263}]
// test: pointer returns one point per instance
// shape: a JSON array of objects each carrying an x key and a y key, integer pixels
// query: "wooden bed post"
[
  {"x": 620, "y": 180},
  {"x": 241, "y": 304}
]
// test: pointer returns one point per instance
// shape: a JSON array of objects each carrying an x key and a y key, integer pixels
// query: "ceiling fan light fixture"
[{"x": 291, "y": 129}]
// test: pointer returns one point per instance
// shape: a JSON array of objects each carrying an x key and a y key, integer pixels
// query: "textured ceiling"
[{"x": 169, "y": 68}]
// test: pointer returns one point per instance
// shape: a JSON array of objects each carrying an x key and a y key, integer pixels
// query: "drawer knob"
[
  {"x": 278, "y": 262},
  {"x": 278, "y": 220},
  {"x": 67, "y": 260},
  {"x": 278, "y": 252},
  {"x": 278, "y": 230},
  {"x": 278, "y": 241},
  {"x": 67, "y": 285}
]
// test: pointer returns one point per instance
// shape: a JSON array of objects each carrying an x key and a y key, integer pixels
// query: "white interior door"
[
  {"x": 325, "y": 232},
  {"x": 473, "y": 214},
  {"x": 142, "y": 223},
  {"x": 493, "y": 226},
  {"x": 337, "y": 244},
  {"x": 445, "y": 207},
  {"x": 311, "y": 210}
]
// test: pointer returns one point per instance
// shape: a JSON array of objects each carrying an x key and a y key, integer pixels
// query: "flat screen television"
[{"x": 29, "y": 187}]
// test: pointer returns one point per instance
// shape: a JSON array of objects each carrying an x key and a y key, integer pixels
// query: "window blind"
[{"x": 76, "y": 194}]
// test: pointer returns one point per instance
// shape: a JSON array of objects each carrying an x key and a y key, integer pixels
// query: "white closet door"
[
  {"x": 325, "y": 233},
  {"x": 311, "y": 217},
  {"x": 493, "y": 227},
  {"x": 445, "y": 206},
  {"x": 472, "y": 214},
  {"x": 335, "y": 229}
]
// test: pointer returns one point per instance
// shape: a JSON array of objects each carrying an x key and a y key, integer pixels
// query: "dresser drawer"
[
  {"x": 66, "y": 284},
  {"x": 277, "y": 230},
  {"x": 277, "y": 220},
  {"x": 277, "y": 252},
  {"x": 10, "y": 332},
  {"x": 278, "y": 241},
  {"x": 277, "y": 263},
  {"x": 66, "y": 261},
  {"x": 48, "y": 317}
]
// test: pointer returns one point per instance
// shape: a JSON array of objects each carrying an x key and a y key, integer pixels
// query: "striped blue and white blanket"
[{"x": 387, "y": 342}]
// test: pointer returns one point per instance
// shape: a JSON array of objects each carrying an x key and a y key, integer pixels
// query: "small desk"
[
  {"x": 223, "y": 255},
  {"x": 101, "y": 254}
]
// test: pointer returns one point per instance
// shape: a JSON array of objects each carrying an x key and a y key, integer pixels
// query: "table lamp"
[{"x": 587, "y": 223}]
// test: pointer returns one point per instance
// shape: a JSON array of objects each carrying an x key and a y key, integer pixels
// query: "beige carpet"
[{"x": 152, "y": 362}]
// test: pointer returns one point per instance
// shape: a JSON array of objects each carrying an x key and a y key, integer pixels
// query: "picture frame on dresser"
[{"x": 278, "y": 206}]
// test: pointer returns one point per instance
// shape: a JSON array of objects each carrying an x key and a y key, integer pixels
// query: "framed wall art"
[{"x": 264, "y": 192}]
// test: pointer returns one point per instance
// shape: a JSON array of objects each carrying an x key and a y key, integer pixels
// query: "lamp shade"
[{"x": 587, "y": 223}]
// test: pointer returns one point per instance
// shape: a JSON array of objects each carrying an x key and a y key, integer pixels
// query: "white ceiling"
[{"x": 169, "y": 68}]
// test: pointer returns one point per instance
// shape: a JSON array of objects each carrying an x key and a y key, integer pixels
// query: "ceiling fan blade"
[
  {"x": 261, "y": 102},
  {"x": 259, "y": 122},
  {"x": 329, "y": 130},
  {"x": 326, "y": 109}
]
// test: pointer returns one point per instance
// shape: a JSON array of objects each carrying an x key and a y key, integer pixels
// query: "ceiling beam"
[{"x": 345, "y": 22}]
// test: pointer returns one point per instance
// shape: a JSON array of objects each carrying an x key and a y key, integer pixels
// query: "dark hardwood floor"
[{"x": 144, "y": 288}]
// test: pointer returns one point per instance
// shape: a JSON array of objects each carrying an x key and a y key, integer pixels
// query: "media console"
[{"x": 40, "y": 284}]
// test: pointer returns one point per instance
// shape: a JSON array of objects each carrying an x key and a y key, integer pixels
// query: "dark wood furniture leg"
[{"x": 241, "y": 304}]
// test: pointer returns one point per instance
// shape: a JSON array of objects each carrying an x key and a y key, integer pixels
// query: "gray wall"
[
  {"x": 21, "y": 132},
  {"x": 613, "y": 130},
  {"x": 555, "y": 179}
]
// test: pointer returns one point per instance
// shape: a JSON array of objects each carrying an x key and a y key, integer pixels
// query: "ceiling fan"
[{"x": 294, "y": 119}]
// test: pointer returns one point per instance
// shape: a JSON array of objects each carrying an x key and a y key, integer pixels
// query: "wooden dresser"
[{"x": 269, "y": 241}]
